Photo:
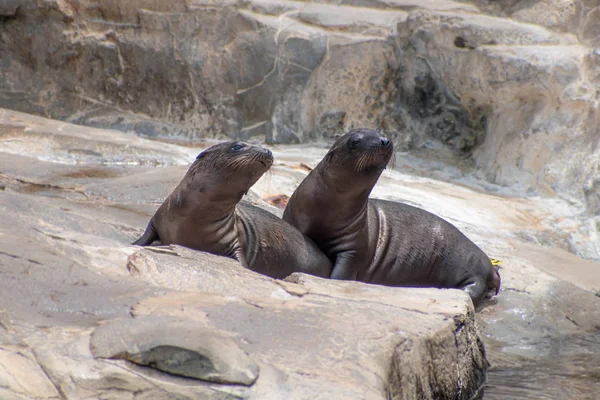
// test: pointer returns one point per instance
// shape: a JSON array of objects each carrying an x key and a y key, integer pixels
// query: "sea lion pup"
[
  {"x": 203, "y": 213},
  {"x": 378, "y": 241}
]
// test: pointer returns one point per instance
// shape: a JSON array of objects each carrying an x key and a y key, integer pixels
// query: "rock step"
[{"x": 313, "y": 320}]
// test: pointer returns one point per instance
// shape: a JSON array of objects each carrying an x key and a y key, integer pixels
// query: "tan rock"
[
  {"x": 349, "y": 321},
  {"x": 178, "y": 346},
  {"x": 590, "y": 29},
  {"x": 73, "y": 198},
  {"x": 21, "y": 377}
]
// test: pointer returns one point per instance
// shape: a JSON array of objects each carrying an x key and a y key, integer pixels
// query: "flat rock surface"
[{"x": 86, "y": 315}]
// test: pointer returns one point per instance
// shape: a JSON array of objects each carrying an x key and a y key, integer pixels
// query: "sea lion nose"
[
  {"x": 263, "y": 150},
  {"x": 385, "y": 142},
  {"x": 267, "y": 156}
]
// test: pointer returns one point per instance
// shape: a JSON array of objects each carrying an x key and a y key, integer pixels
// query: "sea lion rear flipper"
[{"x": 149, "y": 236}]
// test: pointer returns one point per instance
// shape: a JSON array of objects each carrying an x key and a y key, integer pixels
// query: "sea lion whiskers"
[
  {"x": 261, "y": 159},
  {"x": 238, "y": 162},
  {"x": 233, "y": 164},
  {"x": 365, "y": 160},
  {"x": 246, "y": 159},
  {"x": 362, "y": 161},
  {"x": 392, "y": 162}
]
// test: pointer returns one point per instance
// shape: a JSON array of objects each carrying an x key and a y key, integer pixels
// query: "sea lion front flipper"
[
  {"x": 149, "y": 236},
  {"x": 239, "y": 255},
  {"x": 344, "y": 266},
  {"x": 476, "y": 289}
]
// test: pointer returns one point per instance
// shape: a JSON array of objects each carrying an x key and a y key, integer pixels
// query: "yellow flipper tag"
[{"x": 495, "y": 262}]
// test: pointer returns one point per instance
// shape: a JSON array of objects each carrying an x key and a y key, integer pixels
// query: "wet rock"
[{"x": 177, "y": 346}]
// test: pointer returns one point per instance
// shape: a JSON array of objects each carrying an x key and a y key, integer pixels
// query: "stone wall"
[{"x": 510, "y": 84}]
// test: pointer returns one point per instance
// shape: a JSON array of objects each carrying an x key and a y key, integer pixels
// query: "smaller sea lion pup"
[
  {"x": 378, "y": 241},
  {"x": 203, "y": 213}
]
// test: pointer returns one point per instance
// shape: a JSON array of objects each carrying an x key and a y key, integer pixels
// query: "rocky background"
[
  {"x": 494, "y": 100},
  {"x": 511, "y": 85}
]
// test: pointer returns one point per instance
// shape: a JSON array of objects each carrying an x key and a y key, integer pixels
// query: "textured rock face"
[
  {"x": 9, "y": 7},
  {"x": 511, "y": 84},
  {"x": 559, "y": 15}
]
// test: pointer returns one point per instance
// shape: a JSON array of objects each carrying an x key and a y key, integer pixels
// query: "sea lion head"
[
  {"x": 227, "y": 170},
  {"x": 355, "y": 162},
  {"x": 363, "y": 151}
]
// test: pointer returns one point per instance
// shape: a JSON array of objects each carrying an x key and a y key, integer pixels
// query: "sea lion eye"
[
  {"x": 237, "y": 147},
  {"x": 354, "y": 143}
]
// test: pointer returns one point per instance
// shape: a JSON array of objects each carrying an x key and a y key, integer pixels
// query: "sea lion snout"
[
  {"x": 265, "y": 156},
  {"x": 261, "y": 150},
  {"x": 265, "y": 151},
  {"x": 375, "y": 151},
  {"x": 370, "y": 141},
  {"x": 363, "y": 150},
  {"x": 362, "y": 139}
]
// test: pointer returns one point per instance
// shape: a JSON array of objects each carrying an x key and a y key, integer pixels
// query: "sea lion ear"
[{"x": 201, "y": 155}]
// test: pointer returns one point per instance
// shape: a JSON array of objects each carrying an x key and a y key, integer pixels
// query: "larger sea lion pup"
[
  {"x": 380, "y": 241},
  {"x": 203, "y": 213}
]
